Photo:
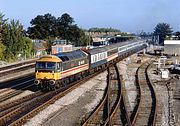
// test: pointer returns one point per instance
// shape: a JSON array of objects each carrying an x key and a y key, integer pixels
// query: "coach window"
[
  {"x": 105, "y": 55},
  {"x": 94, "y": 59},
  {"x": 97, "y": 57}
]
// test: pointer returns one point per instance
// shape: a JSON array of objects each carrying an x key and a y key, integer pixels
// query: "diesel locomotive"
[{"x": 54, "y": 71}]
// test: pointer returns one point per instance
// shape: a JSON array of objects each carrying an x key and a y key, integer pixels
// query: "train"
[{"x": 58, "y": 70}]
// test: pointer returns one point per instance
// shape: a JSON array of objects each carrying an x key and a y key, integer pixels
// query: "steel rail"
[
  {"x": 145, "y": 81},
  {"x": 16, "y": 69},
  {"x": 17, "y": 64},
  {"x": 13, "y": 93},
  {"x": 119, "y": 105},
  {"x": 152, "y": 120}
]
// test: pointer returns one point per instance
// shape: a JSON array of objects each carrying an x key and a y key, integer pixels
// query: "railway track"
[
  {"x": 15, "y": 81},
  {"x": 145, "y": 110},
  {"x": 111, "y": 110},
  {"x": 14, "y": 90},
  {"x": 19, "y": 111},
  {"x": 17, "y": 86},
  {"x": 17, "y": 64},
  {"x": 18, "y": 67}
]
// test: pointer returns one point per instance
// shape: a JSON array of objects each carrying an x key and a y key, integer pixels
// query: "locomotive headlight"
[
  {"x": 37, "y": 82},
  {"x": 52, "y": 82}
]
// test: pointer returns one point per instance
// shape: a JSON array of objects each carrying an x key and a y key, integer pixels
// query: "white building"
[{"x": 172, "y": 47}]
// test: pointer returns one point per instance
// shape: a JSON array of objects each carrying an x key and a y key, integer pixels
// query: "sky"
[{"x": 125, "y": 15}]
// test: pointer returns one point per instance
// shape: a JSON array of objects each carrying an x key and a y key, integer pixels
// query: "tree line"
[
  {"x": 13, "y": 42},
  {"x": 103, "y": 30}
]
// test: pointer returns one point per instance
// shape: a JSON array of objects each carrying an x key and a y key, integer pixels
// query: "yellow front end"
[
  {"x": 47, "y": 72},
  {"x": 47, "y": 76}
]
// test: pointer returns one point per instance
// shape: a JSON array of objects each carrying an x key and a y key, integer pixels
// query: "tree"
[
  {"x": 103, "y": 30},
  {"x": 27, "y": 47},
  {"x": 177, "y": 34},
  {"x": 2, "y": 28},
  {"x": 66, "y": 20},
  {"x": 13, "y": 39},
  {"x": 15, "y": 42},
  {"x": 2, "y": 51},
  {"x": 64, "y": 24},
  {"x": 48, "y": 27},
  {"x": 161, "y": 30},
  {"x": 85, "y": 40},
  {"x": 42, "y": 27}
]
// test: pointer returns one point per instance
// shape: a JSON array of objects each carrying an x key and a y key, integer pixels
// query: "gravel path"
[{"x": 71, "y": 108}]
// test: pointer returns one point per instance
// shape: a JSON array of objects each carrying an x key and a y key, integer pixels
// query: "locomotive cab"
[{"x": 47, "y": 71}]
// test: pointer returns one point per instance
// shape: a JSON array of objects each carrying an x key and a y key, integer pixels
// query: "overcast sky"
[{"x": 126, "y": 15}]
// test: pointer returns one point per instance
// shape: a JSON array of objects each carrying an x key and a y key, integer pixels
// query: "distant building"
[
  {"x": 120, "y": 38},
  {"x": 100, "y": 43},
  {"x": 102, "y": 38},
  {"x": 95, "y": 34},
  {"x": 59, "y": 41},
  {"x": 60, "y": 48},
  {"x": 172, "y": 47}
]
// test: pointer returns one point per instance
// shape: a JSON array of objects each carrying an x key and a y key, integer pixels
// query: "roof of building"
[{"x": 176, "y": 42}]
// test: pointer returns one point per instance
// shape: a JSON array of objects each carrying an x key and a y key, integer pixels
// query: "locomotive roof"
[
  {"x": 49, "y": 58},
  {"x": 66, "y": 56}
]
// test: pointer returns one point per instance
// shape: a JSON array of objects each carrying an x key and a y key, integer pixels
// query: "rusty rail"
[{"x": 144, "y": 103}]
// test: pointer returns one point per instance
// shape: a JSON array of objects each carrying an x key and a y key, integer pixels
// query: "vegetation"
[
  {"x": 162, "y": 30},
  {"x": 49, "y": 27},
  {"x": 103, "y": 30},
  {"x": 177, "y": 34},
  {"x": 13, "y": 43}
]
